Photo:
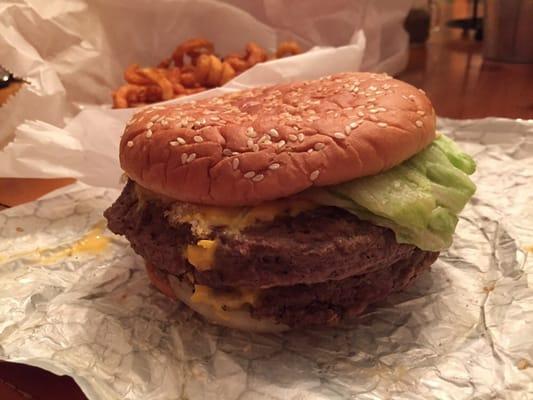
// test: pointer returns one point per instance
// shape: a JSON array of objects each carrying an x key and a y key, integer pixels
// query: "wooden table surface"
[{"x": 449, "y": 68}]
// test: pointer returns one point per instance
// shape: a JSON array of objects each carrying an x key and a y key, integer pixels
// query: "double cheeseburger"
[{"x": 290, "y": 205}]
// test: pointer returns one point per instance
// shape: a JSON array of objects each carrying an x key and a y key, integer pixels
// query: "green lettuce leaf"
[{"x": 418, "y": 199}]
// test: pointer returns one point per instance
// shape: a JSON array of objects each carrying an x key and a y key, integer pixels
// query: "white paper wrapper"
[
  {"x": 73, "y": 53},
  {"x": 463, "y": 331}
]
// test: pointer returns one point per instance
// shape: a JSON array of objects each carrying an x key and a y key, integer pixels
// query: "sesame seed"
[
  {"x": 373, "y": 117},
  {"x": 227, "y": 152},
  {"x": 184, "y": 158},
  {"x": 381, "y": 109},
  {"x": 293, "y": 138},
  {"x": 273, "y": 133},
  {"x": 419, "y": 123},
  {"x": 372, "y": 88},
  {"x": 250, "y": 143},
  {"x": 382, "y": 124},
  {"x": 361, "y": 114},
  {"x": 267, "y": 141},
  {"x": 263, "y": 138},
  {"x": 148, "y": 133},
  {"x": 373, "y": 110},
  {"x": 154, "y": 117},
  {"x": 255, "y": 147},
  {"x": 249, "y": 174},
  {"x": 214, "y": 118},
  {"x": 319, "y": 146},
  {"x": 191, "y": 157},
  {"x": 174, "y": 143},
  {"x": 347, "y": 129},
  {"x": 421, "y": 91},
  {"x": 301, "y": 137},
  {"x": 250, "y": 132},
  {"x": 235, "y": 163},
  {"x": 258, "y": 177},
  {"x": 353, "y": 125},
  {"x": 149, "y": 125},
  {"x": 281, "y": 143},
  {"x": 129, "y": 144},
  {"x": 314, "y": 174},
  {"x": 198, "y": 139},
  {"x": 181, "y": 140},
  {"x": 310, "y": 150},
  {"x": 421, "y": 113},
  {"x": 339, "y": 135},
  {"x": 386, "y": 86},
  {"x": 199, "y": 122},
  {"x": 274, "y": 166}
]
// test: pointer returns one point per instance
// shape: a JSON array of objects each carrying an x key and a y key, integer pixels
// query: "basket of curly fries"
[{"x": 193, "y": 67}]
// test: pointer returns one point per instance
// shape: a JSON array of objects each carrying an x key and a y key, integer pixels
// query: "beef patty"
[
  {"x": 314, "y": 268},
  {"x": 325, "y": 243}
]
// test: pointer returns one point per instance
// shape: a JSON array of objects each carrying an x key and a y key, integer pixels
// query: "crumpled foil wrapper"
[{"x": 463, "y": 331}]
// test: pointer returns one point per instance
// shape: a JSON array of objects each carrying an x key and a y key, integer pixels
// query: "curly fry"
[
  {"x": 126, "y": 94},
  {"x": 172, "y": 74},
  {"x": 152, "y": 94},
  {"x": 236, "y": 62},
  {"x": 188, "y": 79},
  {"x": 289, "y": 48},
  {"x": 203, "y": 64},
  {"x": 255, "y": 54},
  {"x": 165, "y": 63},
  {"x": 158, "y": 77},
  {"x": 133, "y": 75},
  {"x": 178, "y": 89},
  {"x": 211, "y": 71},
  {"x": 192, "y": 48},
  {"x": 228, "y": 73}
]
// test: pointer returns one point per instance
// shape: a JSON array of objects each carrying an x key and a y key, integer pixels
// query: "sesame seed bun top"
[{"x": 271, "y": 142}]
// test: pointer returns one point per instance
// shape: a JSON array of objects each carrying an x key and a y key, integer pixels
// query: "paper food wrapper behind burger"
[{"x": 73, "y": 54}]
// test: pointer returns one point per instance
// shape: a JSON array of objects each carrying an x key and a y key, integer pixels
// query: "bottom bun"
[{"x": 181, "y": 290}]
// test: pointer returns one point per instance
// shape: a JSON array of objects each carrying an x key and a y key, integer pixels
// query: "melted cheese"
[
  {"x": 202, "y": 255},
  {"x": 203, "y": 218},
  {"x": 224, "y": 299}
]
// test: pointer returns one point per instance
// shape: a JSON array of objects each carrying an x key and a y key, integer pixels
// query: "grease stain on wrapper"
[{"x": 93, "y": 242}]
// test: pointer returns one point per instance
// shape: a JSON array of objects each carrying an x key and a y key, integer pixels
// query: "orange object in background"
[{"x": 15, "y": 191}]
